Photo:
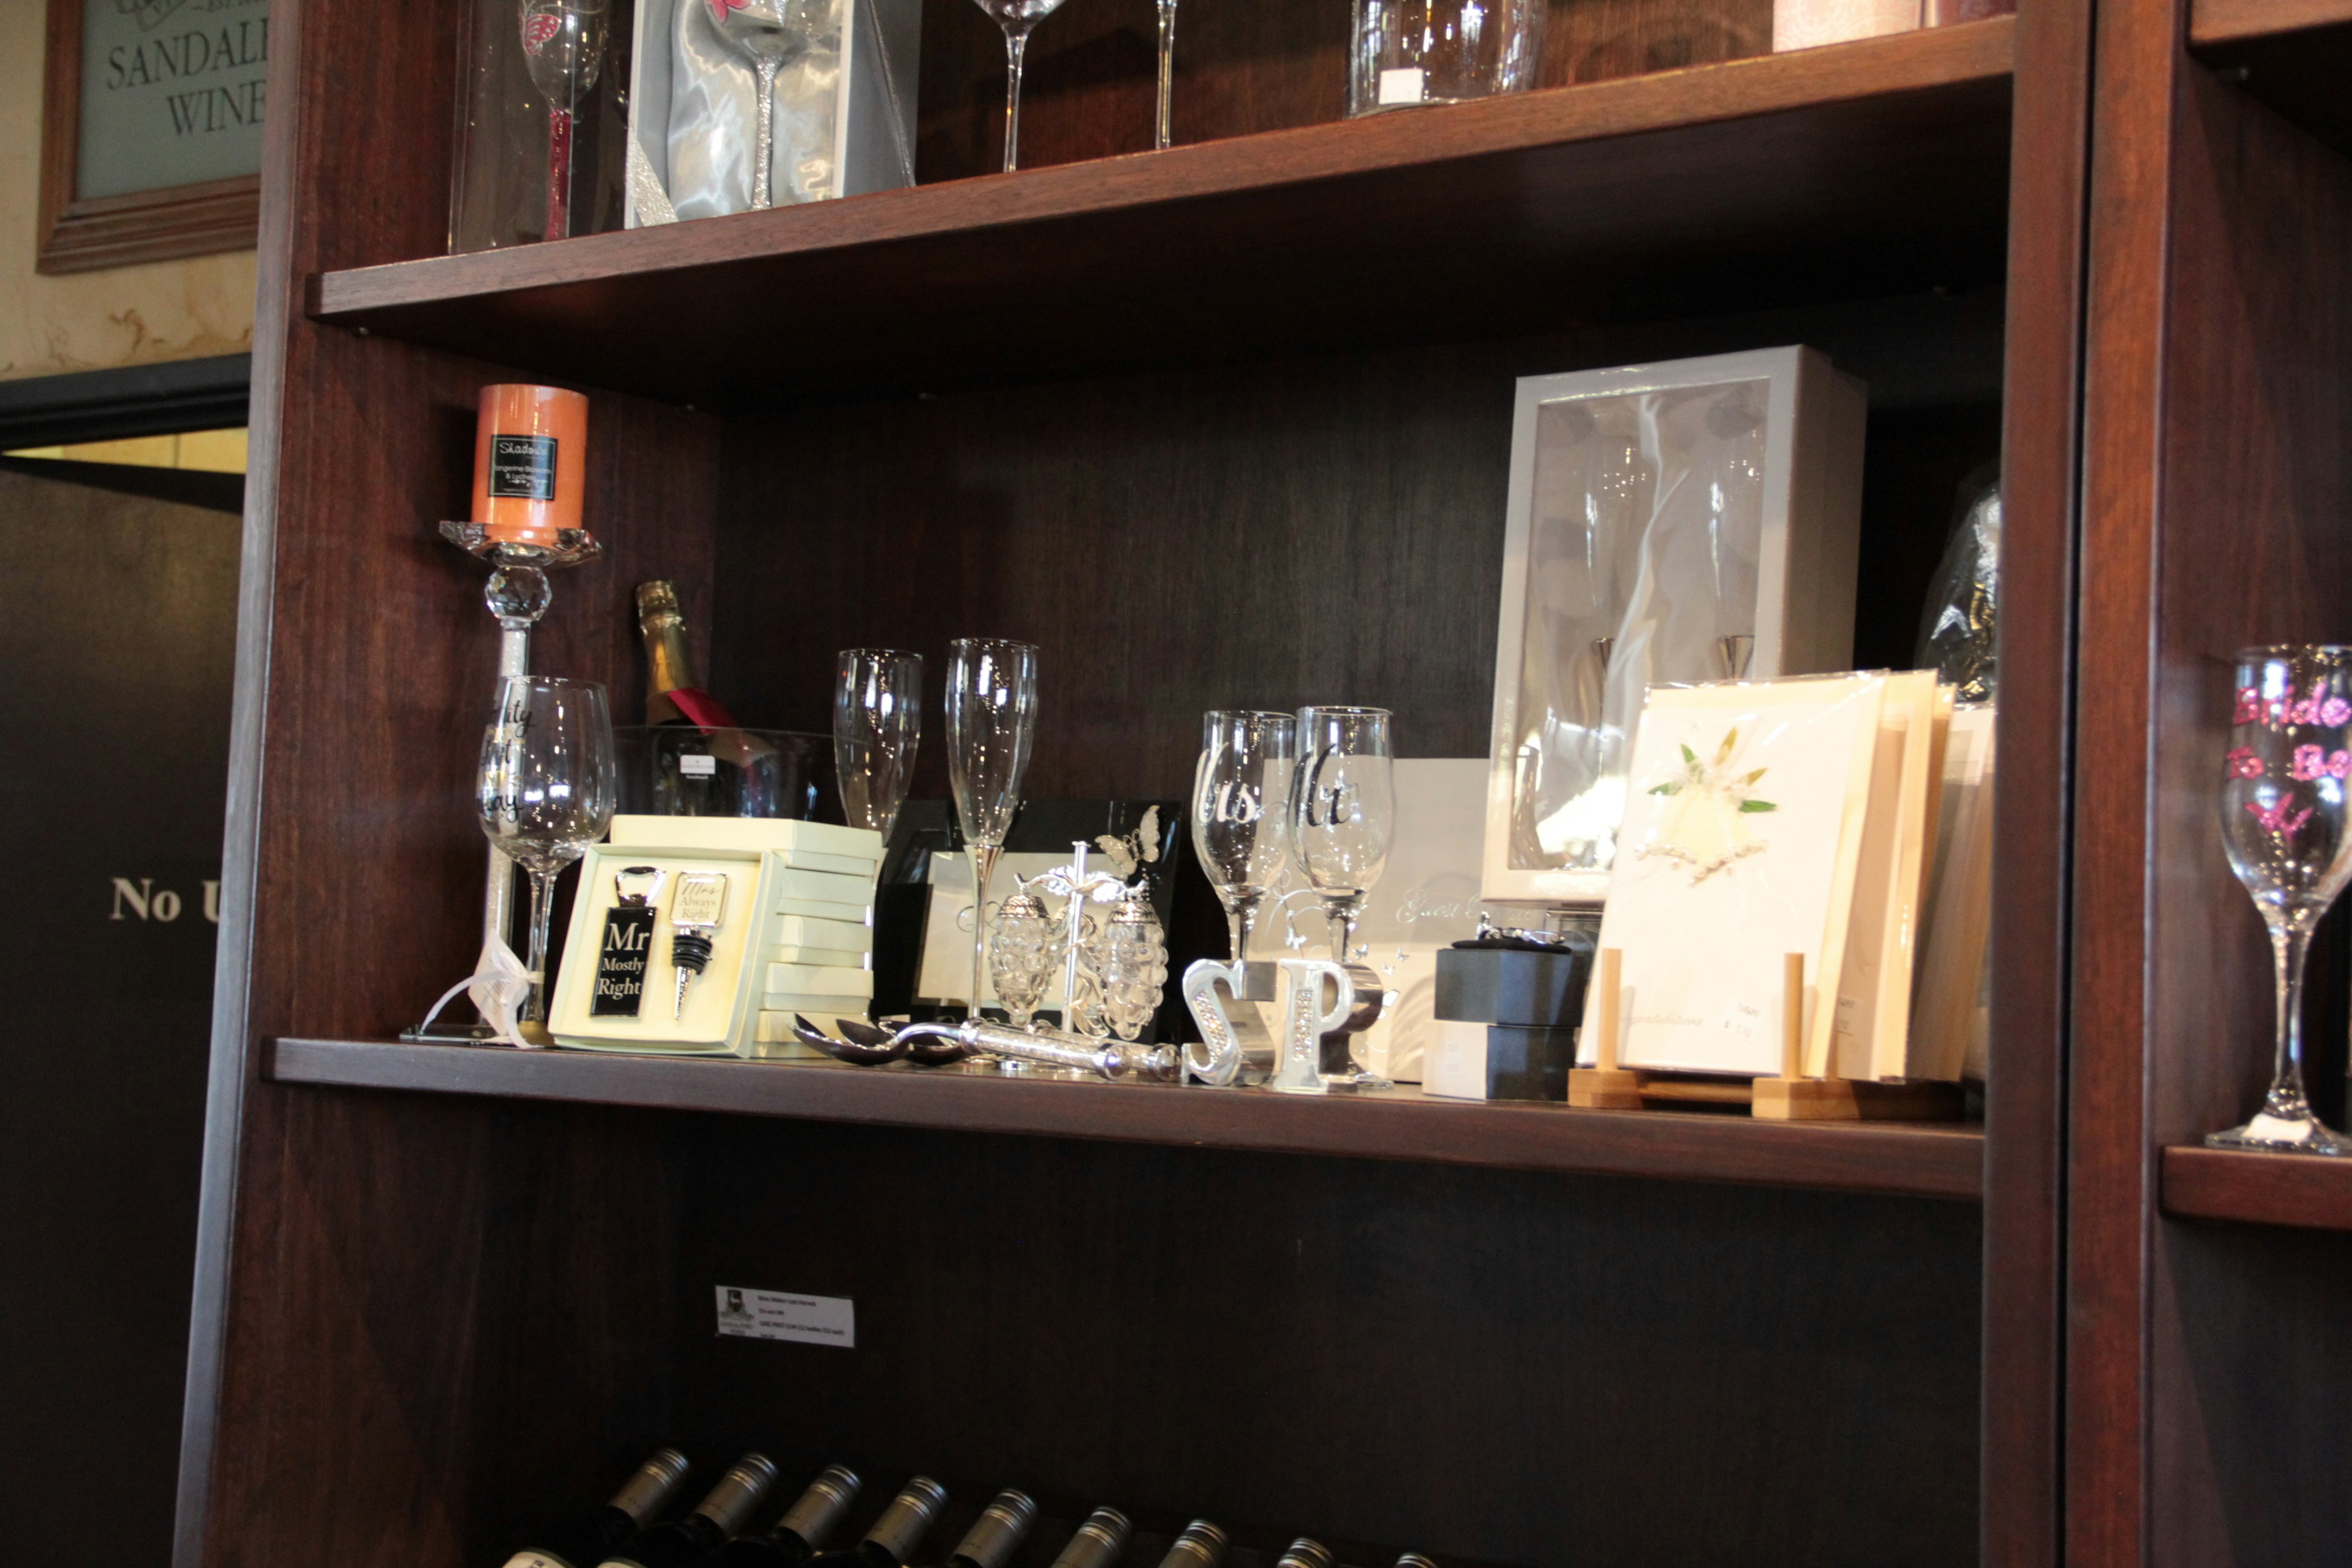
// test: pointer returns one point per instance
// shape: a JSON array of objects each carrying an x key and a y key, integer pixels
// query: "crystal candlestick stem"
[{"x": 517, "y": 595}]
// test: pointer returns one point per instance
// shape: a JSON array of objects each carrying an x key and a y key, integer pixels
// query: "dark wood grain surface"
[
  {"x": 1271, "y": 534},
  {"x": 2292, "y": 56},
  {"x": 2218, "y": 480},
  {"x": 1887, "y": 158},
  {"x": 1375, "y": 1351},
  {"x": 1926, "y": 1161},
  {"x": 2257, "y": 1189},
  {"x": 2025, "y": 1094}
]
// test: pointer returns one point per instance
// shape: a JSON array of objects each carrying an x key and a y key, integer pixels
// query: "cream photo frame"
[{"x": 1668, "y": 524}]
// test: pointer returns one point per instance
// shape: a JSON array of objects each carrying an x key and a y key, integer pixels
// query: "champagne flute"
[
  {"x": 877, "y": 725},
  {"x": 992, "y": 722},
  {"x": 1342, "y": 812},
  {"x": 563, "y": 49},
  {"x": 545, "y": 790},
  {"x": 1016, "y": 17},
  {"x": 771, "y": 34},
  {"x": 1241, "y": 797},
  {"x": 2283, "y": 820},
  {"x": 1165, "y": 130}
]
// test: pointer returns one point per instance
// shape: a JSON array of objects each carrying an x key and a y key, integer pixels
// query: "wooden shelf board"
[
  {"x": 1943, "y": 1162},
  {"x": 1868, "y": 168},
  {"x": 2293, "y": 54},
  {"x": 2309, "y": 1191}
]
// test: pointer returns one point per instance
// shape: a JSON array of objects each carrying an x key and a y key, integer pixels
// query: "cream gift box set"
[{"x": 794, "y": 932}]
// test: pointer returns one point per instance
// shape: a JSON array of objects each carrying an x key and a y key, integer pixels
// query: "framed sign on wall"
[{"x": 151, "y": 130}]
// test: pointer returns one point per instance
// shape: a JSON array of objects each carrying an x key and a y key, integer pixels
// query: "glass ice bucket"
[
  {"x": 679, "y": 770},
  {"x": 1412, "y": 52}
]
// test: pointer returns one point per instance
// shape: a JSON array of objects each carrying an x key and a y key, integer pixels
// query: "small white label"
[
  {"x": 1402, "y": 85},
  {"x": 698, "y": 765},
  {"x": 1740, "y": 1018},
  {"x": 748, "y": 1314}
]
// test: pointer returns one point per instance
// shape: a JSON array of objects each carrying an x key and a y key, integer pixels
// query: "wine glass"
[
  {"x": 545, "y": 790},
  {"x": 1164, "y": 133},
  {"x": 1240, "y": 795},
  {"x": 1342, "y": 812},
  {"x": 2282, "y": 819},
  {"x": 1016, "y": 17},
  {"x": 992, "y": 722},
  {"x": 877, "y": 723},
  {"x": 771, "y": 34},
  {"x": 563, "y": 49}
]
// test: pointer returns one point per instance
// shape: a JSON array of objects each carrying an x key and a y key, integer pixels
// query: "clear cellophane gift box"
[{"x": 543, "y": 121}]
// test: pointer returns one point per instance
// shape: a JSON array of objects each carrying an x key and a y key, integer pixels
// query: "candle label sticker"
[
  {"x": 523, "y": 467},
  {"x": 621, "y": 961}
]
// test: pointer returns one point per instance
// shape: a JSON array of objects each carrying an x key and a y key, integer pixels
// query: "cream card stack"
[{"x": 1770, "y": 817}]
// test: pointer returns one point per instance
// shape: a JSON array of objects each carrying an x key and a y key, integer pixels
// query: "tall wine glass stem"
[
  {"x": 559, "y": 173},
  {"x": 1167, "y": 125},
  {"x": 542, "y": 905},
  {"x": 2290, "y": 943},
  {"x": 764, "y": 151},
  {"x": 1016, "y": 47},
  {"x": 1240, "y": 920},
  {"x": 984, "y": 865},
  {"x": 1343, "y": 914}
]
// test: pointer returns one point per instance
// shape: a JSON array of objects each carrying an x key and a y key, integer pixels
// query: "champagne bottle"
[
  {"x": 800, "y": 1535},
  {"x": 897, "y": 1533},
  {"x": 997, "y": 1533},
  {"x": 1202, "y": 1545},
  {"x": 1098, "y": 1541},
  {"x": 673, "y": 695},
  {"x": 587, "y": 1539},
  {"x": 718, "y": 1517}
]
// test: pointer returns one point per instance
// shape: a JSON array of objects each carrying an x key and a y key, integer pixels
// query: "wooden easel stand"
[{"x": 1789, "y": 1096}]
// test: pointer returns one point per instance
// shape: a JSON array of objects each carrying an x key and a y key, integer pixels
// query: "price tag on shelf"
[
  {"x": 1402, "y": 85},
  {"x": 748, "y": 1314}
]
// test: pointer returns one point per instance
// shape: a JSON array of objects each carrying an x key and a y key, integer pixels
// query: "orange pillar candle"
[{"x": 528, "y": 453}]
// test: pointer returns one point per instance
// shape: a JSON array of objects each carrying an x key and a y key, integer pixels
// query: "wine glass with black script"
[
  {"x": 1241, "y": 807},
  {"x": 878, "y": 724},
  {"x": 1016, "y": 17},
  {"x": 992, "y": 723},
  {"x": 545, "y": 790},
  {"x": 2282, "y": 821}
]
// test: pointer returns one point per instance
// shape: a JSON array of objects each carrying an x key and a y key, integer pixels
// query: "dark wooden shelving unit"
[
  {"x": 2293, "y": 54},
  {"x": 1937, "y": 1161},
  {"x": 1886, "y": 160},
  {"x": 1226, "y": 426},
  {"x": 2257, "y": 1189}
]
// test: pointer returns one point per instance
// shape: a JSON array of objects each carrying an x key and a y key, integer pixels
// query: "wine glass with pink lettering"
[{"x": 2284, "y": 787}]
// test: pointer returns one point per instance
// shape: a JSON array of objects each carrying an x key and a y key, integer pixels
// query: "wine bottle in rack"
[
  {"x": 1098, "y": 1541},
  {"x": 897, "y": 1533},
  {"x": 801, "y": 1533},
  {"x": 1201, "y": 1545},
  {"x": 1305, "y": 1553},
  {"x": 717, "y": 1519},
  {"x": 997, "y": 1533},
  {"x": 586, "y": 1540}
]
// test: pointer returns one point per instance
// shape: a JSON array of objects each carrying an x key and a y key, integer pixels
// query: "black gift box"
[
  {"x": 1521, "y": 987},
  {"x": 1529, "y": 1064}
]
